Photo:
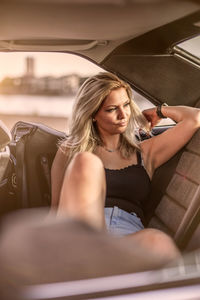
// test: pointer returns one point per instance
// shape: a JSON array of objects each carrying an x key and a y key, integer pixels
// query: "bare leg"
[
  {"x": 159, "y": 246},
  {"x": 83, "y": 195},
  {"x": 83, "y": 190}
]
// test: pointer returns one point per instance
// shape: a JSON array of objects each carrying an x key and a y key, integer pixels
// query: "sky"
[
  {"x": 56, "y": 64},
  {"x": 192, "y": 46}
]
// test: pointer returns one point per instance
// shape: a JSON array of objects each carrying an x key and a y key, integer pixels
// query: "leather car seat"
[
  {"x": 5, "y": 138},
  {"x": 179, "y": 208}
]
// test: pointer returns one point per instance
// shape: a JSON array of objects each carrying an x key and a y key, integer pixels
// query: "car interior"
[{"x": 140, "y": 41}]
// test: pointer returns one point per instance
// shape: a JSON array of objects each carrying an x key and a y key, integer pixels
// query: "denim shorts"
[{"x": 120, "y": 222}]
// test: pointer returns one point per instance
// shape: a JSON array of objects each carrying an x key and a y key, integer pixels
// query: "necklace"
[{"x": 110, "y": 150}]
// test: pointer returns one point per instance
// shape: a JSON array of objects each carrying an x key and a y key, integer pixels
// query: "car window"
[
  {"x": 191, "y": 46},
  {"x": 144, "y": 103},
  {"x": 41, "y": 87},
  {"x": 189, "y": 50}
]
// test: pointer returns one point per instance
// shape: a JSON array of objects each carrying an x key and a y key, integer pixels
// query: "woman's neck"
[{"x": 111, "y": 142}]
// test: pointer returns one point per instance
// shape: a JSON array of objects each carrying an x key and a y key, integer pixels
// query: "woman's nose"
[{"x": 122, "y": 114}]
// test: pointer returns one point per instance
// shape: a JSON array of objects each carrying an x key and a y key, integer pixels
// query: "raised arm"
[{"x": 161, "y": 148}]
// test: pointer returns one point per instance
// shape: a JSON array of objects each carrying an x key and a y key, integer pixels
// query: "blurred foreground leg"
[{"x": 38, "y": 250}]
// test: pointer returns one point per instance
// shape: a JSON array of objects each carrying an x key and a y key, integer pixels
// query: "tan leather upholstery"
[
  {"x": 4, "y": 159},
  {"x": 181, "y": 199}
]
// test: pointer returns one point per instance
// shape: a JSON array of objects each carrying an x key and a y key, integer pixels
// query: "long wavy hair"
[{"x": 83, "y": 134}]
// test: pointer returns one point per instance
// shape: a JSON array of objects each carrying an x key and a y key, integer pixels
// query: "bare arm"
[
  {"x": 57, "y": 175},
  {"x": 161, "y": 148}
]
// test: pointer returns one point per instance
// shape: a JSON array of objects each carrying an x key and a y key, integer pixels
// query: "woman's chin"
[{"x": 121, "y": 130}]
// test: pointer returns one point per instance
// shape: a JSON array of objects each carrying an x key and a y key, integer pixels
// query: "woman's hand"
[{"x": 151, "y": 116}]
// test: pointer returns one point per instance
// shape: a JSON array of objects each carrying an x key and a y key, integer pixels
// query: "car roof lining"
[
  {"x": 161, "y": 40},
  {"x": 169, "y": 69},
  {"x": 89, "y": 30},
  {"x": 111, "y": 22},
  {"x": 149, "y": 58}
]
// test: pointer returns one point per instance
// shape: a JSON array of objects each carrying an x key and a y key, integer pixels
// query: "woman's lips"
[{"x": 122, "y": 123}]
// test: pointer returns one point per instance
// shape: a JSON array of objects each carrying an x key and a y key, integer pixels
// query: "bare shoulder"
[
  {"x": 60, "y": 158},
  {"x": 57, "y": 173},
  {"x": 62, "y": 152}
]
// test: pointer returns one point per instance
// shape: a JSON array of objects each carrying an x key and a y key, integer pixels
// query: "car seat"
[
  {"x": 5, "y": 138},
  {"x": 33, "y": 147},
  {"x": 178, "y": 212}
]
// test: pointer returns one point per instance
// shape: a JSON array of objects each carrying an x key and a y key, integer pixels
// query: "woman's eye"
[
  {"x": 126, "y": 104},
  {"x": 110, "y": 109}
]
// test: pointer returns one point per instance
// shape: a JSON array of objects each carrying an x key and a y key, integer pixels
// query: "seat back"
[
  {"x": 5, "y": 138},
  {"x": 179, "y": 208},
  {"x": 34, "y": 147}
]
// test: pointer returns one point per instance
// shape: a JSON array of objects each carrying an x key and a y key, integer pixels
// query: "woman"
[{"x": 102, "y": 164}]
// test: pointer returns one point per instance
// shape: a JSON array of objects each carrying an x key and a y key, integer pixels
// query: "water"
[
  {"x": 54, "y": 106},
  {"x": 52, "y": 111}
]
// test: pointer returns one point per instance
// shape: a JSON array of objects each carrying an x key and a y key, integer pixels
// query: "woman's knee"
[
  {"x": 158, "y": 243},
  {"x": 86, "y": 160},
  {"x": 158, "y": 238},
  {"x": 83, "y": 189},
  {"x": 86, "y": 168}
]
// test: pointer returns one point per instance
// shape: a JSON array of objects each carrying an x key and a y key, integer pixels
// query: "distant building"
[
  {"x": 46, "y": 85},
  {"x": 30, "y": 66},
  {"x": 69, "y": 84}
]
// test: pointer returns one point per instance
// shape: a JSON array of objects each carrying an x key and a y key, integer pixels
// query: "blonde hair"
[{"x": 83, "y": 134}]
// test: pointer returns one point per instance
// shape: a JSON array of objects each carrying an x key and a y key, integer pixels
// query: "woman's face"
[{"x": 114, "y": 114}]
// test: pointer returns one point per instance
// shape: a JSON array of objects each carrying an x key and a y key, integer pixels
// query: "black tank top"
[{"x": 128, "y": 188}]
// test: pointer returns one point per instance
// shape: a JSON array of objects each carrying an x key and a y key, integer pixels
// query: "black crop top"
[{"x": 128, "y": 188}]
